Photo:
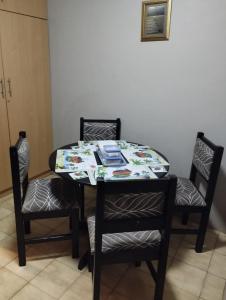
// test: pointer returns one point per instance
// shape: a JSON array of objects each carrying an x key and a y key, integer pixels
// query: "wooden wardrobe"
[{"x": 25, "y": 100}]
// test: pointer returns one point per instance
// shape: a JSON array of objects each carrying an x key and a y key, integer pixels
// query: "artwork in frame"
[{"x": 155, "y": 20}]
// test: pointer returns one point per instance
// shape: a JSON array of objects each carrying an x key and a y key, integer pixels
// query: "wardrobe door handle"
[
  {"x": 10, "y": 88},
  {"x": 2, "y": 89}
]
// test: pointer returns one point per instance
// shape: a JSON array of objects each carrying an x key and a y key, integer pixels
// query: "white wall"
[{"x": 164, "y": 92}]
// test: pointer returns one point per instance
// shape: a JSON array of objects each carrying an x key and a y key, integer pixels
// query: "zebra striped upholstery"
[
  {"x": 24, "y": 158},
  {"x": 94, "y": 131},
  {"x": 187, "y": 194},
  {"x": 203, "y": 158},
  {"x": 126, "y": 206},
  {"x": 47, "y": 195},
  {"x": 123, "y": 241}
]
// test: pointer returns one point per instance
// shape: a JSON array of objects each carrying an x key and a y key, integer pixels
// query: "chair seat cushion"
[
  {"x": 187, "y": 194},
  {"x": 48, "y": 195},
  {"x": 115, "y": 242}
]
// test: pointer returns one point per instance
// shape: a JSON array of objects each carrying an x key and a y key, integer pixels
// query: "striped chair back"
[
  {"x": 203, "y": 158},
  {"x": 206, "y": 160},
  {"x": 95, "y": 130},
  {"x": 23, "y": 151},
  {"x": 134, "y": 205}
]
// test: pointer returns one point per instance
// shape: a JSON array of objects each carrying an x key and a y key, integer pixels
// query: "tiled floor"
[{"x": 50, "y": 272}]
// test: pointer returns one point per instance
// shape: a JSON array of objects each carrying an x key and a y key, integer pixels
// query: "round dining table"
[{"x": 86, "y": 181}]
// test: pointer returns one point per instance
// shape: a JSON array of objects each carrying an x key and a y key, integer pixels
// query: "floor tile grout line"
[
  {"x": 54, "y": 260},
  {"x": 69, "y": 286},
  {"x": 22, "y": 267},
  {"x": 118, "y": 281},
  {"x": 12, "y": 213},
  {"x": 17, "y": 276},
  {"x": 224, "y": 290},
  {"x": 204, "y": 281}
]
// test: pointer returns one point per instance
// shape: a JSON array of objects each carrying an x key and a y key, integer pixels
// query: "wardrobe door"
[
  {"x": 25, "y": 55},
  {"x": 5, "y": 174},
  {"x": 36, "y": 8}
]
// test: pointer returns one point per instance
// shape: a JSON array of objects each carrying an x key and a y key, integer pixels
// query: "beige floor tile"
[
  {"x": 63, "y": 227},
  {"x": 186, "y": 277},
  {"x": 4, "y": 212},
  {"x": 175, "y": 241},
  {"x": 38, "y": 229},
  {"x": 82, "y": 289},
  {"x": 187, "y": 254},
  {"x": 112, "y": 273},
  {"x": 8, "y": 250},
  {"x": 218, "y": 265},
  {"x": 210, "y": 240},
  {"x": 69, "y": 261},
  {"x": 3, "y": 235},
  {"x": 117, "y": 296},
  {"x": 144, "y": 266},
  {"x": 5, "y": 197},
  {"x": 55, "y": 279},
  {"x": 32, "y": 293},
  {"x": 50, "y": 249},
  {"x": 9, "y": 284},
  {"x": 221, "y": 244},
  {"x": 174, "y": 293},
  {"x": 32, "y": 268},
  {"x": 7, "y": 224},
  {"x": 136, "y": 285},
  {"x": 52, "y": 223},
  {"x": 8, "y": 203},
  {"x": 213, "y": 288}
]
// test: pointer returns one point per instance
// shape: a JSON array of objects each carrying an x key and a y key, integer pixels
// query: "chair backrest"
[
  {"x": 130, "y": 206},
  {"x": 19, "y": 158},
  {"x": 95, "y": 129},
  {"x": 206, "y": 162}
]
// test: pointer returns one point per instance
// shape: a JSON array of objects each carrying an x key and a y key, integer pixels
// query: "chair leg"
[
  {"x": 27, "y": 227},
  {"x": 137, "y": 264},
  {"x": 82, "y": 205},
  {"x": 70, "y": 223},
  {"x": 185, "y": 218},
  {"x": 83, "y": 261},
  {"x": 90, "y": 262},
  {"x": 75, "y": 232},
  {"x": 202, "y": 232},
  {"x": 20, "y": 241},
  {"x": 96, "y": 281},
  {"x": 161, "y": 274}
]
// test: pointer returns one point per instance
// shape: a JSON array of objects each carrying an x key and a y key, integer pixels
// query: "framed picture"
[{"x": 155, "y": 20}]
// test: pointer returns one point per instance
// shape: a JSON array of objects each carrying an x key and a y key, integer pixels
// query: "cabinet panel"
[
  {"x": 25, "y": 55},
  {"x": 5, "y": 174},
  {"x": 37, "y": 8}
]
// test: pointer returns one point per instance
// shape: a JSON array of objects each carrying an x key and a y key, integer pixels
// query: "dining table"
[{"x": 159, "y": 170}]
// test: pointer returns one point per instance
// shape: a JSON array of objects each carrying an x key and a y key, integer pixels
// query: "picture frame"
[{"x": 156, "y": 15}]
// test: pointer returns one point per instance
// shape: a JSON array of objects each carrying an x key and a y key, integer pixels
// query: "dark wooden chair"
[
  {"x": 95, "y": 130},
  {"x": 132, "y": 223},
  {"x": 40, "y": 199},
  {"x": 189, "y": 198}
]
